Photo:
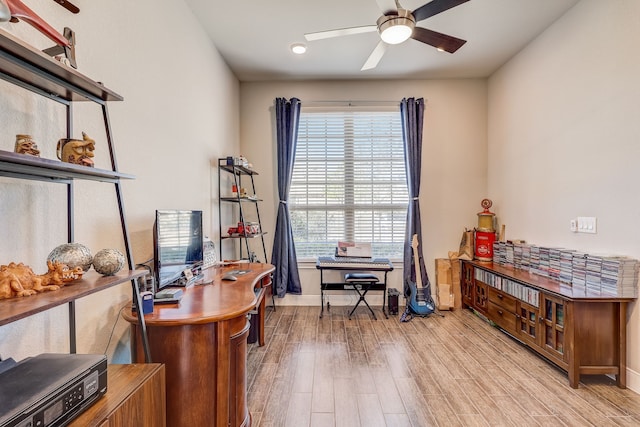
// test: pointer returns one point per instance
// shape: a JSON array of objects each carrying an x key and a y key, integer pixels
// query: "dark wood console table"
[
  {"x": 203, "y": 343},
  {"x": 581, "y": 331}
]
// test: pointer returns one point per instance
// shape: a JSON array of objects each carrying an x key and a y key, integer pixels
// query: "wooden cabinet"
[
  {"x": 581, "y": 331},
  {"x": 480, "y": 297},
  {"x": 502, "y": 310},
  {"x": 467, "y": 283},
  {"x": 527, "y": 322},
  {"x": 552, "y": 321},
  {"x": 135, "y": 397}
]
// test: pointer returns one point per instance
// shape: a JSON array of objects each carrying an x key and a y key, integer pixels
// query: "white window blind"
[{"x": 349, "y": 182}]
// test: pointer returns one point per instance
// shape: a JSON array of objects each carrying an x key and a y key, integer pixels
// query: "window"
[{"x": 349, "y": 182}]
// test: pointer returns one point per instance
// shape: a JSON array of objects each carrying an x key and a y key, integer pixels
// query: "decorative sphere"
[
  {"x": 73, "y": 255},
  {"x": 108, "y": 261}
]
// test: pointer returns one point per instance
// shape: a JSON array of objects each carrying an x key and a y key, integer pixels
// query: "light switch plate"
[{"x": 587, "y": 224}]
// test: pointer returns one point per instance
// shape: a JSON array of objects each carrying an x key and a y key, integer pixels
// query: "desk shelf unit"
[
  {"x": 30, "y": 69},
  {"x": 579, "y": 330},
  {"x": 244, "y": 203}
]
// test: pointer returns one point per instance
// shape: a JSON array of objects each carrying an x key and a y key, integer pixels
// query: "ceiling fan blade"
[
  {"x": 375, "y": 56},
  {"x": 434, "y": 7},
  {"x": 340, "y": 32},
  {"x": 387, "y": 6},
  {"x": 67, "y": 5},
  {"x": 438, "y": 40}
]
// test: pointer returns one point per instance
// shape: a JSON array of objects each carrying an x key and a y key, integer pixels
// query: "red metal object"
[
  {"x": 20, "y": 11},
  {"x": 484, "y": 245}
]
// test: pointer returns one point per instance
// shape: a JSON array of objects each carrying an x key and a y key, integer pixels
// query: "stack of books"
[
  {"x": 566, "y": 265},
  {"x": 543, "y": 267},
  {"x": 579, "y": 269},
  {"x": 619, "y": 276},
  {"x": 554, "y": 263},
  {"x": 594, "y": 271},
  {"x": 534, "y": 261},
  {"x": 611, "y": 275}
]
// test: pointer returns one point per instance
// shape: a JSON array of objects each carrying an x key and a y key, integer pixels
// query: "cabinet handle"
[
  {"x": 500, "y": 296},
  {"x": 500, "y": 312},
  {"x": 518, "y": 316}
]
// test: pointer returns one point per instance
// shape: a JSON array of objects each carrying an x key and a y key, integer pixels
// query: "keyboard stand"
[{"x": 361, "y": 286}]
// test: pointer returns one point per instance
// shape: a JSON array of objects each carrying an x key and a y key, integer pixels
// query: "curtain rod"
[{"x": 350, "y": 103}]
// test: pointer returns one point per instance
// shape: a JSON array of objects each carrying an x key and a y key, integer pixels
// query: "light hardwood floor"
[{"x": 454, "y": 370}]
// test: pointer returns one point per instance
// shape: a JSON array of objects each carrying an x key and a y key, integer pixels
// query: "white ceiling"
[{"x": 254, "y": 37}]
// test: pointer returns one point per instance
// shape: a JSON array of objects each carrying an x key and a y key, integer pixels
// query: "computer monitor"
[{"x": 178, "y": 246}]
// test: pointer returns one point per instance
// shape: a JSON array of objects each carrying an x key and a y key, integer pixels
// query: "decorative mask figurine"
[
  {"x": 25, "y": 145},
  {"x": 79, "y": 152}
]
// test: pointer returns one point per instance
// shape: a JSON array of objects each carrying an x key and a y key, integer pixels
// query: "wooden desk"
[{"x": 203, "y": 344}]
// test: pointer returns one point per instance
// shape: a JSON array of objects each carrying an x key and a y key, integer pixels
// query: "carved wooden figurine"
[
  {"x": 19, "y": 280},
  {"x": 79, "y": 152}
]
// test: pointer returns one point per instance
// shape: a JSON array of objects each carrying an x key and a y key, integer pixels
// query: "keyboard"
[{"x": 348, "y": 263}]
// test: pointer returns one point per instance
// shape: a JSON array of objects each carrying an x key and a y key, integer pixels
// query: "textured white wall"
[
  {"x": 454, "y": 156},
  {"x": 563, "y": 137},
  {"x": 179, "y": 115}
]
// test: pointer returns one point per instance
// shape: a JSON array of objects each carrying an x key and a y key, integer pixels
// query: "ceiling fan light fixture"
[
  {"x": 394, "y": 29},
  {"x": 298, "y": 48}
]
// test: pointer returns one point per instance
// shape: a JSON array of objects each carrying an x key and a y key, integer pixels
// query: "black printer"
[{"x": 50, "y": 390}]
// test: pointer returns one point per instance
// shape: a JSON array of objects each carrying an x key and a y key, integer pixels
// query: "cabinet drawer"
[
  {"x": 502, "y": 317},
  {"x": 504, "y": 300}
]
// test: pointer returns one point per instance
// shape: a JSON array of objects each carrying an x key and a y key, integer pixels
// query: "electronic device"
[
  {"x": 50, "y": 390},
  {"x": 178, "y": 247},
  {"x": 169, "y": 293},
  {"x": 167, "y": 300},
  {"x": 209, "y": 257}
]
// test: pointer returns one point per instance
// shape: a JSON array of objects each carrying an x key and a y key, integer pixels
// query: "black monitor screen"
[{"x": 178, "y": 242}]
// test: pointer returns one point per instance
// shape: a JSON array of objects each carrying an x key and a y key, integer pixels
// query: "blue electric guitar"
[{"x": 420, "y": 301}]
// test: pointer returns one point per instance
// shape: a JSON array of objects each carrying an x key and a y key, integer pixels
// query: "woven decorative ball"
[
  {"x": 72, "y": 254},
  {"x": 108, "y": 261}
]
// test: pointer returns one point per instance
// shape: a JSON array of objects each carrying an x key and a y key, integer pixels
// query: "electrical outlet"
[{"x": 573, "y": 226}]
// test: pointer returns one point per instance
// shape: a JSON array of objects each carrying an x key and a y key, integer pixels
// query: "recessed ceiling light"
[{"x": 298, "y": 48}]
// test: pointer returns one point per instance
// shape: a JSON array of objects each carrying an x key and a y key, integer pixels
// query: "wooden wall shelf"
[{"x": 18, "y": 308}]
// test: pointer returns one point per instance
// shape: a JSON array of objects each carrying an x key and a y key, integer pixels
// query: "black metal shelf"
[
  {"x": 240, "y": 199},
  {"x": 12, "y": 164},
  {"x": 237, "y": 169},
  {"x": 238, "y": 172},
  {"x": 244, "y": 236},
  {"x": 26, "y": 67}
]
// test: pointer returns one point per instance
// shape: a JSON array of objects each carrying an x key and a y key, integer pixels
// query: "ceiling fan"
[{"x": 397, "y": 25}]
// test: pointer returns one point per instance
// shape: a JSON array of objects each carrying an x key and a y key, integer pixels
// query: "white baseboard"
[
  {"x": 341, "y": 299},
  {"x": 633, "y": 380}
]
